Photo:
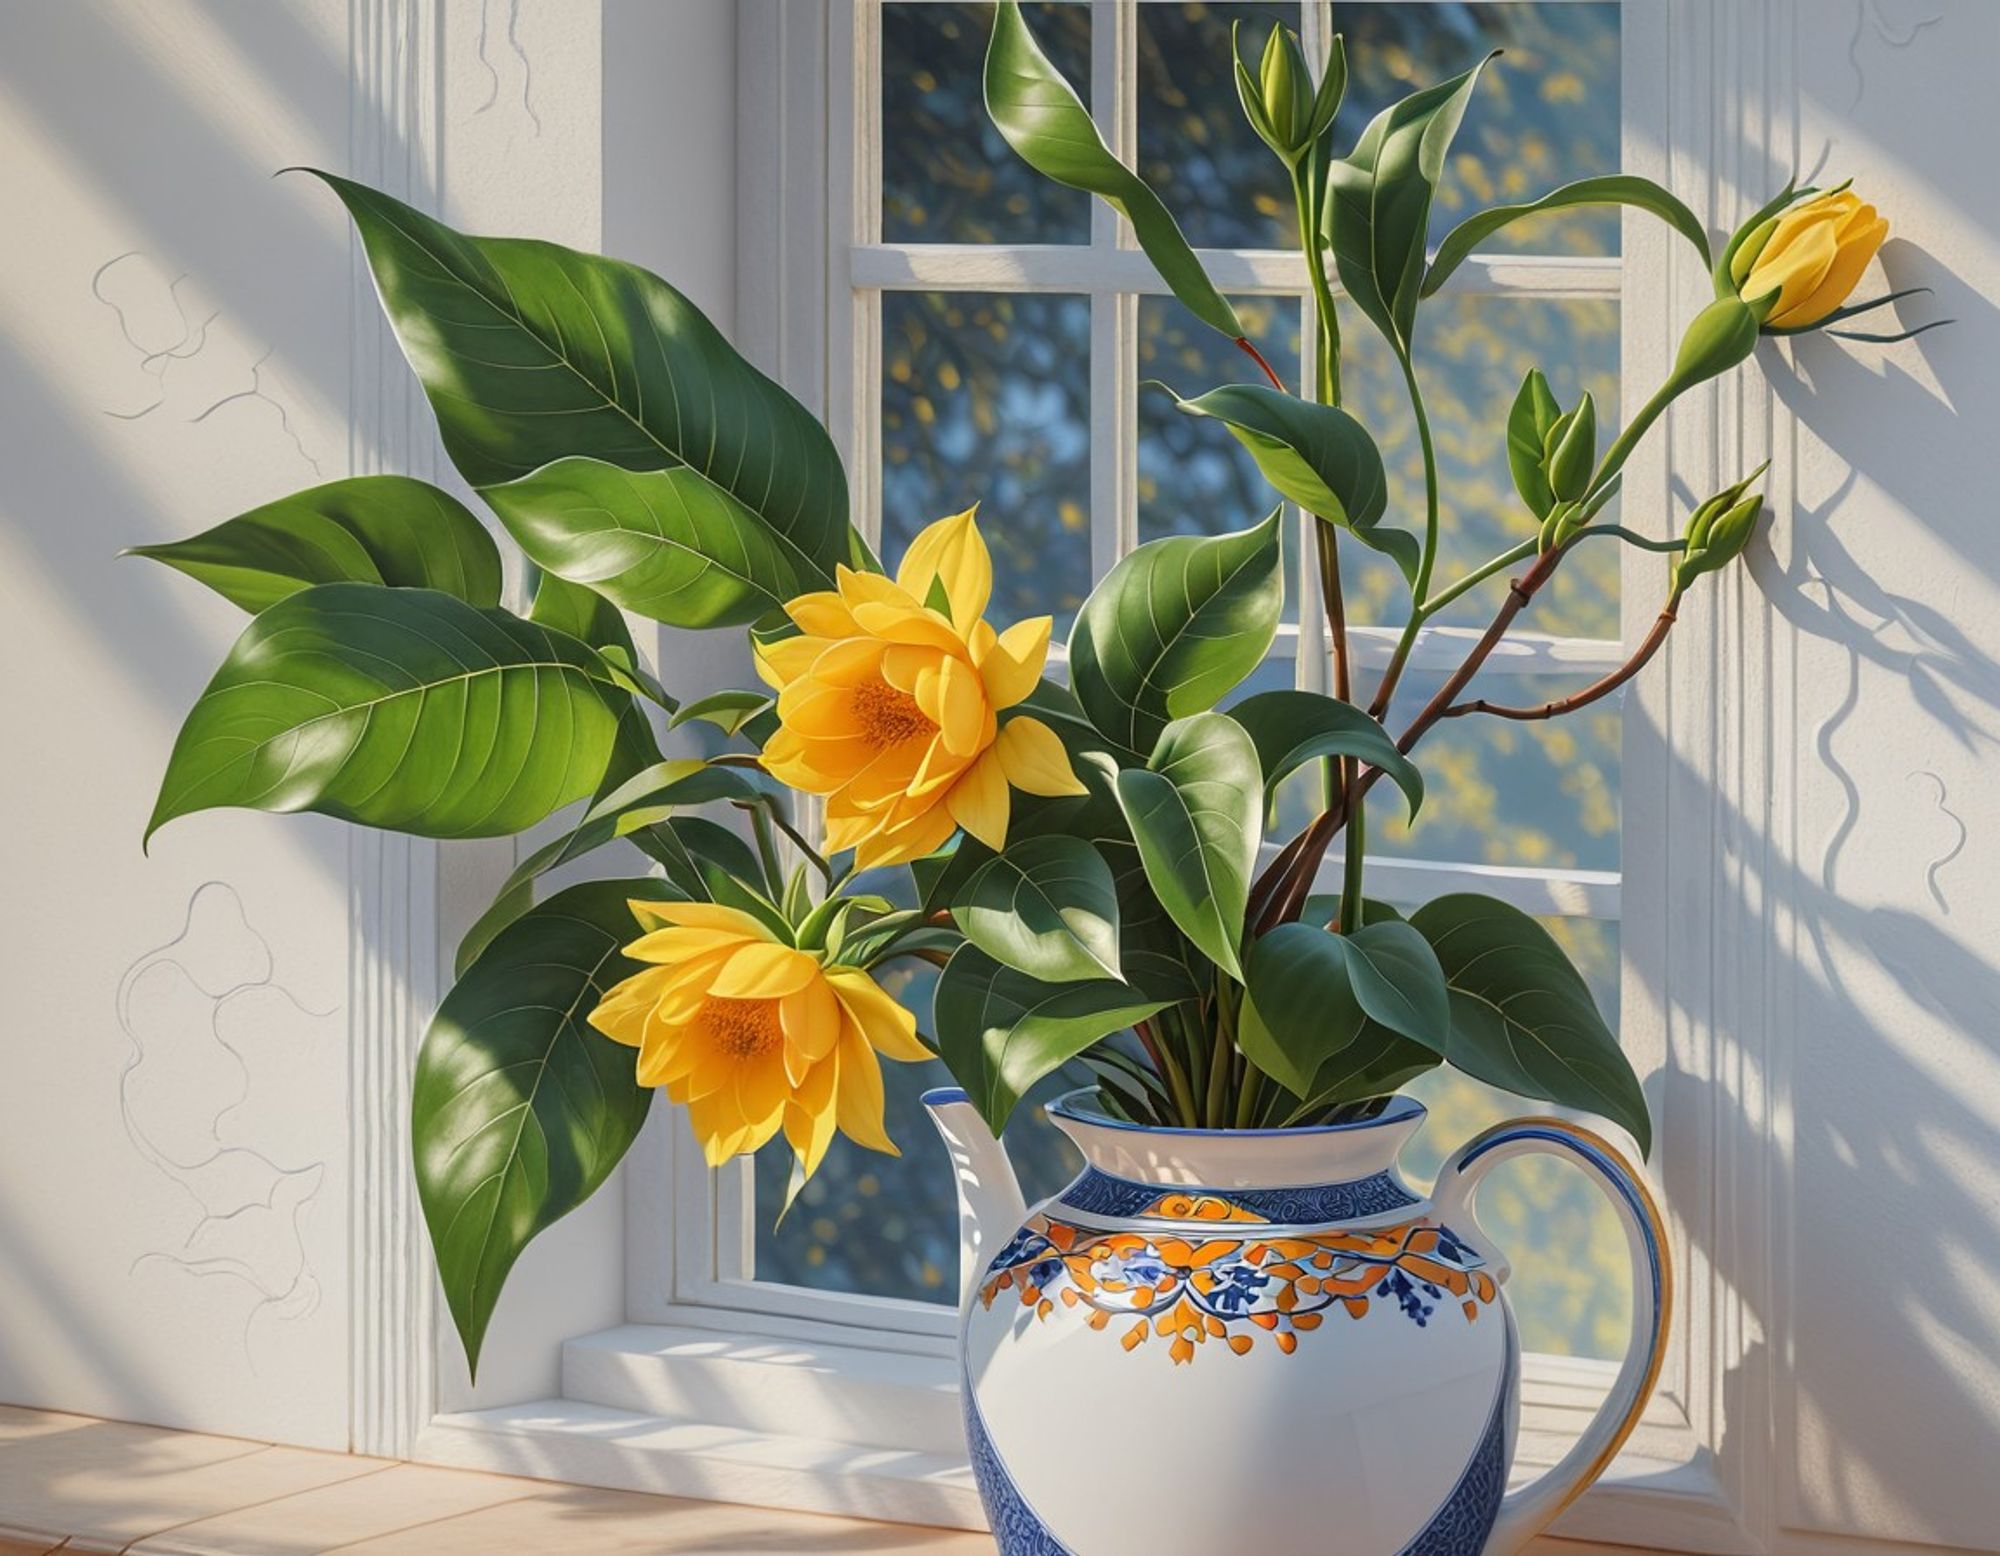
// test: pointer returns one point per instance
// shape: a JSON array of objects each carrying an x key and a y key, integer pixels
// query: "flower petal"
[
  {"x": 979, "y": 803},
  {"x": 1856, "y": 246},
  {"x": 890, "y": 1028},
  {"x": 1013, "y": 665},
  {"x": 810, "y": 1020},
  {"x": 1793, "y": 270},
  {"x": 764, "y": 972},
  {"x": 709, "y": 915},
  {"x": 952, "y": 552},
  {"x": 1034, "y": 759},
  {"x": 781, "y": 662},
  {"x": 858, "y": 1092}
]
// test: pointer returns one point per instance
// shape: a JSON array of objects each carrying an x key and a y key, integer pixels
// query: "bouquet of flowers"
[{"x": 1086, "y": 851}]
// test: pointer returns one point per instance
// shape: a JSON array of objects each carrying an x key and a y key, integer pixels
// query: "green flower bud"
[
  {"x": 1280, "y": 101},
  {"x": 1572, "y": 451},
  {"x": 1251, "y": 95},
  {"x": 1722, "y": 336},
  {"x": 1289, "y": 99},
  {"x": 1535, "y": 412},
  {"x": 1332, "y": 88},
  {"x": 1718, "y": 532}
]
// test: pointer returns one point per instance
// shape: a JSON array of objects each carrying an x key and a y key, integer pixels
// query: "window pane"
[
  {"x": 1546, "y": 113},
  {"x": 947, "y": 176},
  {"x": 1497, "y": 791},
  {"x": 986, "y": 399},
  {"x": 1472, "y": 353},
  {"x": 1194, "y": 478},
  {"x": 1222, "y": 183}
]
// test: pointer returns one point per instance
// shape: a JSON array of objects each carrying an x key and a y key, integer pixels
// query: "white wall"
[{"x": 194, "y": 1226}]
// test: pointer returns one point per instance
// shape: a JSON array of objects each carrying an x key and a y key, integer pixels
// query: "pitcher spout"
[{"x": 990, "y": 1207}]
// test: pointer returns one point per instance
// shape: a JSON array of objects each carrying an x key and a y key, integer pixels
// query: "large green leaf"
[
  {"x": 1375, "y": 1064},
  {"x": 520, "y": 1109},
  {"x": 1155, "y": 957},
  {"x": 1522, "y": 1017},
  {"x": 1378, "y": 203},
  {"x": 1047, "y": 907},
  {"x": 1041, "y": 117},
  {"x": 1611, "y": 189},
  {"x": 1318, "y": 456},
  {"x": 1000, "y": 1031},
  {"x": 398, "y": 708},
  {"x": 668, "y": 544},
  {"x": 1172, "y": 628},
  {"x": 1314, "y": 992},
  {"x": 377, "y": 529},
  {"x": 532, "y": 353},
  {"x": 1195, "y": 811},
  {"x": 1290, "y": 728}
]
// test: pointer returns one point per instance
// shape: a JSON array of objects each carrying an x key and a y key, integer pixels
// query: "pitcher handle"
[{"x": 1527, "y": 1510}]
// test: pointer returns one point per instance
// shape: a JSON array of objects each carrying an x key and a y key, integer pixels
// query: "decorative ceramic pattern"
[
  {"x": 1016, "y": 1529},
  {"x": 1100, "y": 1194},
  {"x": 1193, "y": 1290}
]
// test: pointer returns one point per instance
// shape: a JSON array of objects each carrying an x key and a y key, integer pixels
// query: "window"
[{"x": 1006, "y": 342}]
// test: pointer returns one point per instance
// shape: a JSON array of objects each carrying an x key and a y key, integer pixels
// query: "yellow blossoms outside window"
[{"x": 889, "y": 703}]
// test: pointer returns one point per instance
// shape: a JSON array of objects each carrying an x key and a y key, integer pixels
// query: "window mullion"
[
  {"x": 1314, "y": 670},
  {"x": 1114, "y": 315}
]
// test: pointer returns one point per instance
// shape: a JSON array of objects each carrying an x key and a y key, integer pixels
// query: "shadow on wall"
[{"x": 1882, "y": 1249}]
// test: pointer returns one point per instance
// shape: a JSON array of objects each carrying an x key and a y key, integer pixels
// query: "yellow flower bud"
[{"x": 1809, "y": 260}]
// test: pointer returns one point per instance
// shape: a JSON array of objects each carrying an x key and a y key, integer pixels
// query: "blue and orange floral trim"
[{"x": 1235, "y": 1287}]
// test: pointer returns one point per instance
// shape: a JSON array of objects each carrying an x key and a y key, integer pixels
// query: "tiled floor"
[{"x": 74, "y": 1484}]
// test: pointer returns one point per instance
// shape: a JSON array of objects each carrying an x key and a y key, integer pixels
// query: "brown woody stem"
[{"x": 1662, "y": 625}]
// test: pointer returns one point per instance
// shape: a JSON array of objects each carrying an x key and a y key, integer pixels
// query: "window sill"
[{"x": 826, "y": 1427}]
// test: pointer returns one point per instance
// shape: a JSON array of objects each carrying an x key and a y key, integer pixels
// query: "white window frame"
[{"x": 696, "y": 1346}]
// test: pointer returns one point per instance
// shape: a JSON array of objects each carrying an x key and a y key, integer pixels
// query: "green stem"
[
  {"x": 1329, "y": 322},
  {"x": 1248, "y": 1097},
  {"x": 767, "y": 848},
  {"x": 1162, "y": 1049},
  {"x": 1221, "y": 1057},
  {"x": 1478, "y": 576},
  {"x": 1420, "y": 587}
]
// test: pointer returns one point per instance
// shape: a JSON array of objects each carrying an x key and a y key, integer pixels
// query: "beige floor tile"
[
  {"x": 108, "y": 1484},
  {"x": 382, "y": 1502},
  {"x": 578, "y": 1521},
  {"x": 18, "y": 1424}
]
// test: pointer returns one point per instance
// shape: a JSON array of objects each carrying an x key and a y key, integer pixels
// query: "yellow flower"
[
  {"x": 751, "y": 1034},
  {"x": 1813, "y": 258},
  {"x": 888, "y": 702}
]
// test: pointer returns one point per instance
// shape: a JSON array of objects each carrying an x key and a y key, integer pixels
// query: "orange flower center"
[
  {"x": 742, "y": 1029},
  {"x": 887, "y": 716}
]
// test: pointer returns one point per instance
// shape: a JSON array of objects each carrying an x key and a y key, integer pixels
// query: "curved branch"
[{"x": 1662, "y": 625}]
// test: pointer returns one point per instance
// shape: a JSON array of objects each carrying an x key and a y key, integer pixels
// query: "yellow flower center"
[
  {"x": 742, "y": 1029},
  {"x": 887, "y": 716}
]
